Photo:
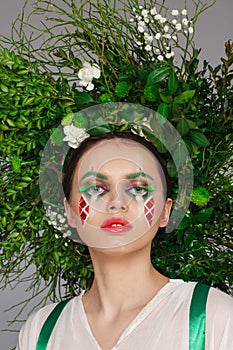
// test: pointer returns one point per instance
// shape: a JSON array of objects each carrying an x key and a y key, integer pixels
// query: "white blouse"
[{"x": 163, "y": 324}]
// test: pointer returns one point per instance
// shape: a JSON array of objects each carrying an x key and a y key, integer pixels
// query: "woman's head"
[{"x": 115, "y": 189}]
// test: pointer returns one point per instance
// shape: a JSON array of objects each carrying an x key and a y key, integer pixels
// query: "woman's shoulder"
[{"x": 31, "y": 329}]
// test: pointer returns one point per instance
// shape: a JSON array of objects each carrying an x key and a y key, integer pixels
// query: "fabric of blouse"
[{"x": 162, "y": 324}]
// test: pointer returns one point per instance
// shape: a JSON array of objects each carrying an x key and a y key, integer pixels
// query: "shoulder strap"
[
  {"x": 197, "y": 317},
  {"x": 49, "y": 324}
]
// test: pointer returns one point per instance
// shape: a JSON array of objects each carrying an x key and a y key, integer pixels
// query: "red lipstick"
[{"x": 116, "y": 225}]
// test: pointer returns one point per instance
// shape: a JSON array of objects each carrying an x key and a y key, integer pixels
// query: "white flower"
[
  {"x": 174, "y": 37},
  {"x": 185, "y": 21},
  {"x": 184, "y": 12},
  {"x": 168, "y": 55},
  {"x": 74, "y": 136},
  {"x": 141, "y": 29},
  {"x": 131, "y": 20},
  {"x": 145, "y": 13},
  {"x": 153, "y": 11},
  {"x": 141, "y": 24},
  {"x": 174, "y": 21},
  {"x": 167, "y": 36},
  {"x": 146, "y": 19},
  {"x": 175, "y": 12},
  {"x": 157, "y": 50},
  {"x": 190, "y": 30},
  {"x": 140, "y": 7},
  {"x": 148, "y": 38},
  {"x": 87, "y": 73},
  {"x": 166, "y": 29},
  {"x": 148, "y": 47},
  {"x": 157, "y": 36},
  {"x": 160, "y": 58},
  {"x": 157, "y": 17},
  {"x": 178, "y": 26},
  {"x": 163, "y": 20}
]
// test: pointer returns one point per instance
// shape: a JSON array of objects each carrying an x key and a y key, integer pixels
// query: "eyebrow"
[
  {"x": 104, "y": 177},
  {"x": 93, "y": 173},
  {"x": 139, "y": 174}
]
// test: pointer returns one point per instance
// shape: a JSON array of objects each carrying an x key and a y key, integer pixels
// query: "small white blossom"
[
  {"x": 157, "y": 17},
  {"x": 168, "y": 55},
  {"x": 153, "y": 11},
  {"x": 158, "y": 36},
  {"x": 56, "y": 236},
  {"x": 175, "y": 12},
  {"x": 139, "y": 43},
  {"x": 174, "y": 21},
  {"x": 174, "y": 37},
  {"x": 141, "y": 29},
  {"x": 167, "y": 36},
  {"x": 172, "y": 53},
  {"x": 163, "y": 20},
  {"x": 178, "y": 26},
  {"x": 134, "y": 9},
  {"x": 148, "y": 38},
  {"x": 160, "y": 58},
  {"x": 74, "y": 136},
  {"x": 185, "y": 21},
  {"x": 140, "y": 7},
  {"x": 146, "y": 19},
  {"x": 166, "y": 29},
  {"x": 185, "y": 32},
  {"x": 157, "y": 50},
  {"x": 87, "y": 73},
  {"x": 145, "y": 13},
  {"x": 131, "y": 20},
  {"x": 190, "y": 30},
  {"x": 141, "y": 24},
  {"x": 148, "y": 47},
  {"x": 184, "y": 12}
]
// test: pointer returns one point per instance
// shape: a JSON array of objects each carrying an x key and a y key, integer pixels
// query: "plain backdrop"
[{"x": 214, "y": 28}]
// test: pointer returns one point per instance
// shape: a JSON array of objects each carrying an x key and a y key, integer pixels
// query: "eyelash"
[
  {"x": 90, "y": 190},
  {"x": 144, "y": 190}
]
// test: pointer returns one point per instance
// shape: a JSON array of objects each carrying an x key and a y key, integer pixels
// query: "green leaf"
[
  {"x": 183, "y": 127},
  {"x": 172, "y": 83},
  {"x": 199, "y": 138},
  {"x": 83, "y": 98},
  {"x": 158, "y": 75},
  {"x": 203, "y": 215},
  {"x": 166, "y": 98},
  {"x": 79, "y": 120},
  {"x": 171, "y": 168},
  {"x": 163, "y": 110},
  {"x": 186, "y": 221},
  {"x": 184, "y": 97}
]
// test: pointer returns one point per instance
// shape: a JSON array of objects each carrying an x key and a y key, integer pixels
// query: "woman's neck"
[{"x": 123, "y": 281}]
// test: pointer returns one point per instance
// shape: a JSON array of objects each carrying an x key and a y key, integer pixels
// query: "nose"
[{"x": 115, "y": 207}]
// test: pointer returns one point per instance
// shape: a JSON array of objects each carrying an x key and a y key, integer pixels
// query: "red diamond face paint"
[
  {"x": 149, "y": 210},
  {"x": 83, "y": 210}
]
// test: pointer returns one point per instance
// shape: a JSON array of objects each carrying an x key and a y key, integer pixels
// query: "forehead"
[{"x": 122, "y": 154}]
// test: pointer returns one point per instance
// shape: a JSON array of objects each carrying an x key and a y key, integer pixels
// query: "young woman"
[{"x": 117, "y": 196}]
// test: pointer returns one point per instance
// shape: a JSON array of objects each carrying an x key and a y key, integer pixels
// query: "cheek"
[
  {"x": 83, "y": 209},
  {"x": 149, "y": 210}
]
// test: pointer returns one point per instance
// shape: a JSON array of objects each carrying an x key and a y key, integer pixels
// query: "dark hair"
[{"x": 74, "y": 156}]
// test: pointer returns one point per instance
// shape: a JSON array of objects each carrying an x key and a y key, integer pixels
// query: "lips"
[{"x": 116, "y": 225}]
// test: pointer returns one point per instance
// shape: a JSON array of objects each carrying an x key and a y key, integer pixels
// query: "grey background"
[{"x": 214, "y": 28}]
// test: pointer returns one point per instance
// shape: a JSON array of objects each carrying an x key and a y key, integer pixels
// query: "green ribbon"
[
  {"x": 49, "y": 325},
  {"x": 197, "y": 317}
]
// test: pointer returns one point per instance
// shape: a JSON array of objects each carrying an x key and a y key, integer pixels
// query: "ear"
[
  {"x": 69, "y": 213},
  {"x": 166, "y": 213}
]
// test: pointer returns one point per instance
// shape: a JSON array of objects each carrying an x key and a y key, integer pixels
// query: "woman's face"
[{"x": 117, "y": 194}]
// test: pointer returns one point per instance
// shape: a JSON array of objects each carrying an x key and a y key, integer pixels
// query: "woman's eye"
[
  {"x": 93, "y": 190},
  {"x": 138, "y": 191}
]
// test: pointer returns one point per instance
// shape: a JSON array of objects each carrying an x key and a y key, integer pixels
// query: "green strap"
[
  {"x": 197, "y": 317},
  {"x": 49, "y": 325}
]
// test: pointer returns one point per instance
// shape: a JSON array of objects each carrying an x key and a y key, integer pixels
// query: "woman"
[{"x": 117, "y": 197}]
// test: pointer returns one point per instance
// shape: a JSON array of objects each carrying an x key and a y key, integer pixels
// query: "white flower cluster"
[
  {"x": 74, "y": 136},
  {"x": 157, "y": 34},
  {"x": 86, "y": 75},
  {"x": 59, "y": 222}
]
